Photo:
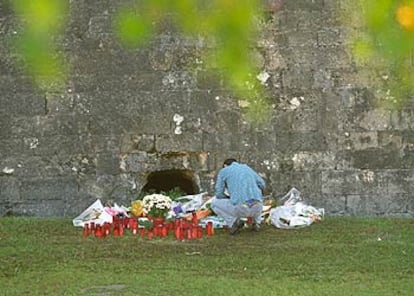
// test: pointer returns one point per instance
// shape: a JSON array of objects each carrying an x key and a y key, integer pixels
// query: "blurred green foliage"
[
  {"x": 42, "y": 21},
  {"x": 382, "y": 39},
  {"x": 229, "y": 27},
  {"x": 231, "y": 24}
]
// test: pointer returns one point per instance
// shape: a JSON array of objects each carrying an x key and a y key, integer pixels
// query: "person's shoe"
[
  {"x": 255, "y": 227},
  {"x": 237, "y": 225}
]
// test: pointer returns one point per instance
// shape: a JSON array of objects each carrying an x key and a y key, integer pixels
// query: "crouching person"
[{"x": 238, "y": 194}]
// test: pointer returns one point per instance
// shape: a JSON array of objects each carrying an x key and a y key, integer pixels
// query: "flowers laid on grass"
[
  {"x": 156, "y": 205},
  {"x": 137, "y": 208}
]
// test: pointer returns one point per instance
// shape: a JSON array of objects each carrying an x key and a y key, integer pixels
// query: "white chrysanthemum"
[{"x": 155, "y": 202}]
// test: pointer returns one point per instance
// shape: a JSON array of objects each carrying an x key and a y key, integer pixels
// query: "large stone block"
[
  {"x": 15, "y": 84},
  {"x": 343, "y": 182},
  {"x": 399, "y": 181},
  {"x": 314, "y": 161},
  {"x": 306, "y": 120},
  {"x": 378, "y": 205},
  {"x": 223, "y": 141},
  {"x": 402, "y": 119},
  {"x": 308, "y": 183},
  {"x": 375, "y": 158},
  {"x": 59, "y": 188},
  {"x": 46, "y": 197},
  {"x": 333, "y": 58},
  {"x": 298, "y": 76},
  {"x": 136, "y": 162},
  {"x": 334, "y": 205},
  {"x": 41, "y": 126},
  {"x": 374, "y": 119},
  {"x": 22, "y": 104},
  {"x": 137, "y": 142},
  {"x": 107, "y": 163},
  {"x": 307, "y": 141},
  {"x": 56, "y": 145},
  {"x": 9, "y": 194},
  {"x": 358, "y": 140},
  {"x": 407, "y": 159},
  {"x": 5, "y": 126},
  {"x": 41, "y": 208},
  {"x": 5, "y": 8},
  {"x": 329, "y": 37},
  {"x": 25, "y": 166},
  {"x": 179, "y": 142},
  {"x": 390, "y": 139},
  {"x": 11, "y": 147}
]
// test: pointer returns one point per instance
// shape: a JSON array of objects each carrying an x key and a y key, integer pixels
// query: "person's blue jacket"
[{"x": 242, "y": 183}]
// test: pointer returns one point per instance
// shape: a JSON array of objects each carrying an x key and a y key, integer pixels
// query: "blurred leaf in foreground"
[
  {"x": 382, "y": 39},
  {"x": 42, "y": 21},
  {"x": 230, "y": 28},
  {"x": 230, "y": 25}
]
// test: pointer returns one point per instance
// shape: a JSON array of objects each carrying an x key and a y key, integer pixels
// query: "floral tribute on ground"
[
  {"x": 187, "y": 217},
  {"x": 155, "y": 215},
  {"x": 156, "y": 205}
]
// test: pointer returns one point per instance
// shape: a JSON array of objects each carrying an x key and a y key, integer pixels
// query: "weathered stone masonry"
[{"x": 130, "y": 118}]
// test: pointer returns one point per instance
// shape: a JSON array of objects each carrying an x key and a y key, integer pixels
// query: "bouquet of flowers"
[{"x": 156, "y": 205}]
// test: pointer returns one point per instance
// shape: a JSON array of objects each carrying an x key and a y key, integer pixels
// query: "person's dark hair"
[{"x": 229, "y": 161}]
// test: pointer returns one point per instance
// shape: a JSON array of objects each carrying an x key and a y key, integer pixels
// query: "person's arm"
[{"x": 220, "y": 185}]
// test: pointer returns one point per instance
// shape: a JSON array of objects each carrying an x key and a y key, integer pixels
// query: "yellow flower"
[
  {"x": 405, "y": 16},
  {"x": 137, "y": 208}
]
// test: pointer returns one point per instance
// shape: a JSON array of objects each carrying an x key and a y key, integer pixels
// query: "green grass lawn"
[{"x": 338, "y": 256}]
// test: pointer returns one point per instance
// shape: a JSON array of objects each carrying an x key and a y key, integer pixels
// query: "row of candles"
[{"x": 181, "y": 228}]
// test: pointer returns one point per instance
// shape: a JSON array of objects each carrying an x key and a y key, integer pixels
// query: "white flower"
[{"x": 156, "y": 201}]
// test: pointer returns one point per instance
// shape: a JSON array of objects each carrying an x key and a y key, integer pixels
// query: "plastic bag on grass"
[
  {"x": 94, "y": 213},
  {"x": 189, "y": 203},
  {"x": 294, "y": 213},
  {"x": 292, "y": 197}
]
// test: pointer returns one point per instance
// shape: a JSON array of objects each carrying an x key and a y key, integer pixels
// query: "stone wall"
[{"x": 126, "y": 114}]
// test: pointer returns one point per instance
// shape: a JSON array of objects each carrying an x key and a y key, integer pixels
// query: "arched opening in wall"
[{"x": 164, "y": 181}]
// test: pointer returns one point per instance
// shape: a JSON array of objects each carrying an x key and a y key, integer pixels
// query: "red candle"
[
  {"x": 171, "y": 225},
  {"x": 164, "y": 231},
  {"x": 177, "y": 232},
  {"x": 194, "y": 218},
  {"x": 134, "y": 228},
  {"x": 132, "y": 223},
  {"x": 86, "y": 230},
  {"x": 98, "y": 231},
  {"x": 194, "y": 231},
  {"x": 92, "y": 228},
  {"x": 142, "y": 232},
  {"x": 107, "y": 228},
  {"x": 209, "y": 228},
  {"x": 116, "y": 230},
  {"x": 126, "y": 222},
  {"x": 189, "y": 233}
]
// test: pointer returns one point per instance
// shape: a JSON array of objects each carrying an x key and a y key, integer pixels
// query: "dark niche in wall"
[{"x": 164, "y": 181}]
